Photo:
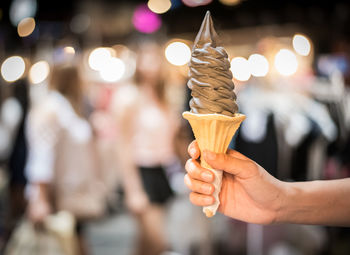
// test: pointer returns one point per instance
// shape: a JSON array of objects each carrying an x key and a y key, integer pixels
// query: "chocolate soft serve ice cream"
[
  {"x": 210, "y": 75},
  {"x": 213, "y": 118}
]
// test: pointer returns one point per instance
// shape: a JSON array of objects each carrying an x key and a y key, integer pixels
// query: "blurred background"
[{"x": 92, "y": 142}]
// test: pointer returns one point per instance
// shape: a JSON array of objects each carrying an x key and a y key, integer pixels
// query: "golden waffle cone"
[{"x": 213, "y": 132}]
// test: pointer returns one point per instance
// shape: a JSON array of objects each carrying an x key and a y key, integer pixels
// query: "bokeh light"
[
  {"x": 259, "y": 66},
  {"x": 128, "y": 57},
  {"x": 230, "y": 2},
  {"x": 80, "y": 23},
  {"x": 146, "y": 21},
  {"x": 159, "y": 6},
  {"x": 178, "y": 53},
  {"x": 21, "y": 9},
  {"x": 286, "y": 62},
  {"x": 301, "y": 45},
  {"x": 113, "y": 70},
  {"x": 69, "y": 50},
  {"x": 12, "y": 68},
  {"x": 240, "y": 69},
  {"x": 194, "y": 3},
  {"x": 26, "y": 27},
  {"x": 39, "y": 72},
  {"x": 99, "y": 57}
]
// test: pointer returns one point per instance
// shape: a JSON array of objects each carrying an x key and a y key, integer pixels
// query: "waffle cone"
[{"x": 213, "y": 132}]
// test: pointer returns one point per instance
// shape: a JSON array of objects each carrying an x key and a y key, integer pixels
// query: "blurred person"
[
  {"x": 249, "y": 193},
  {"x": 62, "y": 163},
  {"x": 13, "y": 150},
  {"x": 147, "y": 133}
]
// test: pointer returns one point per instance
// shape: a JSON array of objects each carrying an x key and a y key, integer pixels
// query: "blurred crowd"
[{"x": 92, "y": 138}]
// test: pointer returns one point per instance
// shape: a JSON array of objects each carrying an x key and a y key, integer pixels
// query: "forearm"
[
  {"x": 130, "y": 176},
  {"x": 131, "y": 180},
  {"x": 39, "y": 191},
  {"x": 316, "y": 202}
]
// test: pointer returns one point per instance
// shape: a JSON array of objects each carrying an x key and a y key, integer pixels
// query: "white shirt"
[
  {"x": 45, "y": 121},
  {"x": 153, "y": 128}
]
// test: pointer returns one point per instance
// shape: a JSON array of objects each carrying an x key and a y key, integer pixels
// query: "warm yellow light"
[
  {"x": 159, "y": 6},
  {"x": 259, "y": 66},
  {"x": 113, "y": 70},
  {"x": 99, "y": 57},
  {"x": 301, "y": 45},
  {"x": 69, "y": 50},
  {"x": 12, "y": 68},
  {"x": 178, "y": 53},
  {"x": 240, "y": 69},
  {"x": 25, "y": 27},
  {"x": 39, "y": 72},
  {"x": 286, "y": 62},
  {"x": 230, "y": 2}
]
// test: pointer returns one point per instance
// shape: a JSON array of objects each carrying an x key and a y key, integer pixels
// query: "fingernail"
[
  {"x": 207, "y": 176},
  {"x": 207, "y": 189},
  {"x": 210, "y": 155},
  {"x": 208, "y": 200}
]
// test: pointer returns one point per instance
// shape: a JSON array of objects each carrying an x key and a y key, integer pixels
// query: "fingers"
[
  {"x": 199, "y": 186},
  {"x": 197, "y": 179},
  {"x": 193, "y": 150},
  {"x": 201, "y": 200},
  {"x": 239, "y": 166},
  {"x": 197, "y": 172}
]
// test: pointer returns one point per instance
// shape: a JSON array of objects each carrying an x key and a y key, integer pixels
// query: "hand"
[
  {"x": 38, "y": 210},
  {"x": 137, "y": 202},
  {"x": 248, "y": 192}
]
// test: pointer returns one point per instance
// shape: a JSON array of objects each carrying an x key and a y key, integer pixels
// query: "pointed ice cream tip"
[{"x": 206, "y": 33}]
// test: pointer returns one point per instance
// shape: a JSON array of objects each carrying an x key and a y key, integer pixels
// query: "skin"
[
  {"x": 38, "y": 206},
  {"x": 249, "y": 193},
  {"x": 148, "y": 215}
]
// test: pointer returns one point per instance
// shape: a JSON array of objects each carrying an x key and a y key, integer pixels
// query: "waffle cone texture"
[{"x": 213, "y": 132}]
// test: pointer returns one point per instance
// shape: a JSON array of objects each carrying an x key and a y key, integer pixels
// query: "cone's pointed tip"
[{"x": 209, "y": 213}]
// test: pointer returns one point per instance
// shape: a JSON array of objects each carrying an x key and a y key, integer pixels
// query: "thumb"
[{"x": 239, "y": 167}]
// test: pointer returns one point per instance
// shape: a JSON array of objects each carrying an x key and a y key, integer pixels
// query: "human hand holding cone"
[
  {"x": 213, "y": 132},
  {"x": 213, "y": 117}
]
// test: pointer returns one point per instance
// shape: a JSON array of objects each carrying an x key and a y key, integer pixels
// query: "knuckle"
[
  {"x": 187, "y": 165},
  {"x": 192, "y": 169},
  {"x": 226, "y": 158},
  {"x": 251, "y": 166},
  {"x": 191, "y": 146},
  {"x": 188, "y": 181},
  {"x": 192, "y": 198}
]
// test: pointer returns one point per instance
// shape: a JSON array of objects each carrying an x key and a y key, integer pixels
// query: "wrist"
[{"x": 287, "y": 194}]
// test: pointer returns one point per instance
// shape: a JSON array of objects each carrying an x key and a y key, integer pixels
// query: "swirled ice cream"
[{"x": 210, "y": 75}]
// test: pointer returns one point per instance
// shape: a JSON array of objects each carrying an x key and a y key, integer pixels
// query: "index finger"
[{"x": 193, "y": 150}]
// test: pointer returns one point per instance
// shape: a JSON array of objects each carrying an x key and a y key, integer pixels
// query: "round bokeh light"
[
  {"x": 178, "y": 53},
  {"x": 240, "y": 69},
  {"x": 286, "y": 62},
  {"x": 146, "y": 21},
  {"x": 39, "y": 72},
  {"x": 13, "y": 68}
]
